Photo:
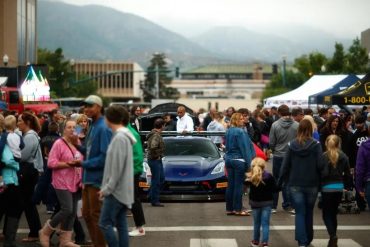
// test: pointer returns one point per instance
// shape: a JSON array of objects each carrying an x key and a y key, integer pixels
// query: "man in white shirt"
[{"x": 185, "y": 123}]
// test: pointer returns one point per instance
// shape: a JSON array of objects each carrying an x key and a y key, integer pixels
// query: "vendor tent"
[
  {"x": 357, "y": 94},
  {"x": 299, "y": 96},
  {"x": 343, "y": 84}
]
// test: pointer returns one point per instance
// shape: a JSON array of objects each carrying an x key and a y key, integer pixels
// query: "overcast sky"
[{"x": 343, "y": 18}]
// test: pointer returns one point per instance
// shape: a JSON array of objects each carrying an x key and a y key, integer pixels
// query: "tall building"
[
  {"x": 365, "y": 39},
  {"x": 119, "y": 81},
  {"x": 18, "y": 39}
]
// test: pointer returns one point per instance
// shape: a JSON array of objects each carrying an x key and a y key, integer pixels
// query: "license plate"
[
  {"x": 143, "y": 185},
  {"x": 221, "y": 185}
]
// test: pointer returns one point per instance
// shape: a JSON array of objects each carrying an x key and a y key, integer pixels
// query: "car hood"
[{"x": 188, "y": 168}]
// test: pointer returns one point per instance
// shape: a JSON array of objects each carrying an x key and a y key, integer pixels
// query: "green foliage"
[
  {"x": 354, "y": 61},
  {"x": 164, "y": 80},
  {"x": 311, "y": 64},
  {"x": 357, "y": 58},
  {"x": 275, "y": 87},
  {"x": 337, "y": 63},
  {"x": 61, "y": 76}
]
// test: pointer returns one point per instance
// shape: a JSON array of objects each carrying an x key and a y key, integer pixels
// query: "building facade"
[
  {"x": 119, "y": 81},
  {"x": 18, "y": 39},
  {"x": 241, "y": 81},
  {"x": 365, "y": 39}
]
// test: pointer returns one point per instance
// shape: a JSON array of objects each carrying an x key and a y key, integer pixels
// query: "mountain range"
[{"x": 102, "y": 33}]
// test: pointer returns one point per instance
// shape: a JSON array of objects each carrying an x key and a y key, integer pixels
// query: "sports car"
[{"x": 193, "y": 168}]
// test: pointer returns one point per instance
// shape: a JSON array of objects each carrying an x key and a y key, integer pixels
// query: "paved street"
[{"x": 205, "y": 224}]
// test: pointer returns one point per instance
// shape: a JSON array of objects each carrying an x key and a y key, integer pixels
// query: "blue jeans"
[
  {"x": 276, "y": 167},
  {"x": 156, "y": 167},
  {"x": 113, "y": 214},
  {"x": 303, "y": 200},
  {"x": 261, "y": 216},
  {"x": 235, "y": 179}
]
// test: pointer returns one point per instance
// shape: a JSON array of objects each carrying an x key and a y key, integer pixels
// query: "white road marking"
[
  {"x": 246, "y": 228},
  {"x": 341, "y": 243},
  {"x": 212, "y": 242}
]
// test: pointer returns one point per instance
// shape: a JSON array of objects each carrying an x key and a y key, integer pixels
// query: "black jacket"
[
  {"x": 302, "y": 164},
  {"x": 338, "y": 174},
  {"x": 261, "y": 195}
]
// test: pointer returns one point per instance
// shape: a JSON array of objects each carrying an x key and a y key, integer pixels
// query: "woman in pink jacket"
[{"x": 64, "y": 160}]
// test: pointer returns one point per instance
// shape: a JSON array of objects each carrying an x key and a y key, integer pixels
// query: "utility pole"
[
  {"x": 284, "y": 71},
  {"x": 156, "y": 81}
]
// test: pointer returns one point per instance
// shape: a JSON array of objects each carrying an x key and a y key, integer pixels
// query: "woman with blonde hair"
[
  {"x": 335, "y": 178},
  {"x": 64, "y": 159},
  {"x": 315, "y": 133},
  {"x": 300, "y": 171},
  {"x": 262, "y": 187},
  {"x": 82, "y": 127},
  {"x": 239, "y": 152}
]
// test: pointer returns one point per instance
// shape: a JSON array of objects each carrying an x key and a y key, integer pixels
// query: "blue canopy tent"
[
  {"x": 319, "y": 98},
  {"x": 357, "y": 94}
]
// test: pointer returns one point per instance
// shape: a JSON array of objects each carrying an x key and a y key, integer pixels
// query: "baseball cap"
[{"x": 94, "y": 99}]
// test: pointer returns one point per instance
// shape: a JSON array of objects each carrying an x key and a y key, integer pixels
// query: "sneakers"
[
  {"x": 137, "y": 232},
  {"x": 273, "y": 211},
  {"x": 255, "y": 243},
  {"x": 292, "y": 211},
  {"x": 265, "y": 245}
]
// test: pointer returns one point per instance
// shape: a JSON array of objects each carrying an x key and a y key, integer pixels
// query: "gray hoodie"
[
  {"x": 118, "y": 175},
  {"x": 282, "y": 131}
]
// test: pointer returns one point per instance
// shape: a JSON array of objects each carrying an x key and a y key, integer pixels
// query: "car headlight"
[{"x": 220, "y": 168}]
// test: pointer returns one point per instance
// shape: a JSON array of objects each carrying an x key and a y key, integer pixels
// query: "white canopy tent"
[{"x": 299, "y": 96}]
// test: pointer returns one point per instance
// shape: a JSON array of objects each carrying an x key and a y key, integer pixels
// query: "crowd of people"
[
  {"x": 96, "y": 156},
  {"x": 326, "y": 154}
]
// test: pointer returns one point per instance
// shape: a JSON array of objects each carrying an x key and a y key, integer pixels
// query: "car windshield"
[{"x": 199, "y": 147}]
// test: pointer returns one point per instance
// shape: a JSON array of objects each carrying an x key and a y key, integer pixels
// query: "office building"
[{"x": 18, "y": 39}]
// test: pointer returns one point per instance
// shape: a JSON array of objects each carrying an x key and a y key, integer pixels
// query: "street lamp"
[
  {"x": 155, "y": 55},
  {"x": 5, "y": 60},
  {"x": 284, "y": 71},
  {"x": 323, "y": 68}
]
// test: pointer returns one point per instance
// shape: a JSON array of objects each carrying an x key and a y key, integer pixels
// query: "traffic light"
[
  {"x": 142, "y": 84},
  {"x": 177, "y": 72},
  {"x": 274, "y": 69}
]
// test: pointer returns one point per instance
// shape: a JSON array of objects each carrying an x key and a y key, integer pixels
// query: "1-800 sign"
[{"x": 357, "y": 100}]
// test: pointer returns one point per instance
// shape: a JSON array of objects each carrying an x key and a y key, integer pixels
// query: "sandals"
[{"x": 242, "y": 213}]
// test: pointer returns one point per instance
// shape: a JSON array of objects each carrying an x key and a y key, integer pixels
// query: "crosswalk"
[{"x": 196, "y": 242}]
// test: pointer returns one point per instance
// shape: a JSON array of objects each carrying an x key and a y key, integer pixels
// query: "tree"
[
  {"x": 61, "y": 75},
  {"x": 275, "y": 87},
  {"x": 357, "y": 58},
  {"x": 311, "y": 64},
  {"x": 337, "y": 63},
  {"x": 59, "y": 69},
  {"x": 159, "y": 59}
]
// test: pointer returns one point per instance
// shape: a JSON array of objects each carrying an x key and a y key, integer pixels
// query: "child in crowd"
[
  {"x": 262, "y": 187},
  {"x": 14, "y": 141}
]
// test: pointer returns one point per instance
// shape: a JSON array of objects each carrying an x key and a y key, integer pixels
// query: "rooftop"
[{"x": 229, "y": 69}]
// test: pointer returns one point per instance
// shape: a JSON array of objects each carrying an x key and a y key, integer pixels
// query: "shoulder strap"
[{"x": 70, "y": 149}]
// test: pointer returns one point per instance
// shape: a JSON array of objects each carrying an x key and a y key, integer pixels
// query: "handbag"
[
  {"x": 259, "y": 152},
  {"x": 265, "y": 139}
]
